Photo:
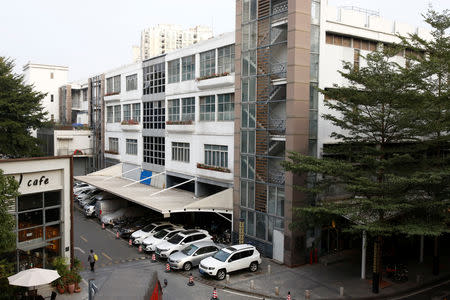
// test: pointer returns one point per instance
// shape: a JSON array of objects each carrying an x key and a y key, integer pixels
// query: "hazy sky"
[{"x": 93, "y": 36}]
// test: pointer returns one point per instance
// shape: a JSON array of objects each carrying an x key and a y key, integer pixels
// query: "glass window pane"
[
  {"x": 52, "y": 215},
  {"x": 271, "y": 200},
  {"x": 30, "y": 201},
  {"x": 250, "y": 223},
  {"x": 30, "y": 219},
  {"x": 243, "y": 193},
  {"x": 31, "y": 234},
  {"x": 244, "y": 141},
  {"x": 280, "y": 202},
  {"x": 52, "y": 198},
  {"x": 261, "y": 226},
  {"x": 244, "y": 167},
  {"x": 251, "y": 195},
  {"x": 251, "y": 142},
  {"x": 52, "y": 231}
]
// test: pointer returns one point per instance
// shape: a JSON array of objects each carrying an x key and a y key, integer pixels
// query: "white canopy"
[
  {"x": 33, "y": 277},
  {"x": 165, "y": 201}
]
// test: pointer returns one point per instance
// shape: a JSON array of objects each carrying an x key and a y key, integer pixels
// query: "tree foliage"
[
  {"x": 20, "y": 111},
  {"x": 390, "y": 170}
]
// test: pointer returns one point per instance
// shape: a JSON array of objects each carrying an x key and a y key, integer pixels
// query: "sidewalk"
[{"x": 324, "y": 282}]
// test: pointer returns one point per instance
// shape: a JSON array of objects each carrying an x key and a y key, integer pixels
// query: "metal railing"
[
  {"x": 75, "y": 152},
  {"x": 279, "y": 11}
]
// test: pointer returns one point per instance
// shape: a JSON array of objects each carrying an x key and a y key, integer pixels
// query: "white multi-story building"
[
  {"x": 123, "y": 116},
  {"x": 200, "y": 115},
  {"x": 164, "y": 38},
  {"x": 47, "y": 79}
]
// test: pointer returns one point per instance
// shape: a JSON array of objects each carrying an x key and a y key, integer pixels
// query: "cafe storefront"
[{"x": 43, "y": 211}]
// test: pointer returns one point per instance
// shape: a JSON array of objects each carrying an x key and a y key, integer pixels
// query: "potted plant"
[
  {"x": 70, "y": 280},
  {"x": 76, "y": 267},
  {"x": 60, "y": 265},
  {"x": 59, "y": 284}
]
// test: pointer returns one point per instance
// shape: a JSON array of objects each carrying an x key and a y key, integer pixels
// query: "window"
[
  {"x": 109, "y": 114},
  {"x": 136, "y": 108},
  {"x": 180, "y": 151},
  {"x": 113, "y": 85},
  {"x": 117, "y": 84},
  {"x": 356, "y": 59},
  {"x": 174, "y": 109},
  {"x": 154, "y": 79},
  {"x": 109, "y": 85},
  {"x": 207, "y": 63},
  {"x": 51, "y": 98},
  {"x": 225, "y": 59},
  {"x": 188, "y": 68},
  {"x": 248, "y": 194},
  {"x": 216, "y": 155},
  {"x": 207, "y": 108},
  {"x": 275, "y": 201},
  {"x": 154, "y": 115},
  {"x": 248, "y": 167},
  {"x": 131, "y": 82},
  {"x": 117, "y": 112},
  {"x": 248, "y": 115},
  {"x": 249, "y": 63},
  {"x": 248, "y": 10},
  {"x": 131, "y": 147},
  {"x": 249, "y": 34},
  {"x": 126, "y": 112},
  {"x": 114, "y": 145},
  {"x": 173, "y": 67},
  {"x": 188, "y": 109},
  {"x": 225, "y": 108},
  {"x": 154, "y": 150},
  {"x": 248, "y": 142}
]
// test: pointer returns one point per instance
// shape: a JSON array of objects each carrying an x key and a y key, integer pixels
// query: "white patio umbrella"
[{"x": 33, "y": 277}]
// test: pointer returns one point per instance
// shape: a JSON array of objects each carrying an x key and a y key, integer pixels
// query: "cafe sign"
[{"x": 39, "y": 181}]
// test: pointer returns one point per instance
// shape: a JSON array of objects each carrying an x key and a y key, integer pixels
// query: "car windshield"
[
  {"x": 189, "y": 250},
  {"x": 222, "y": 255},
  {"x": 175, "y": 239},
  {"x": 148, "y": 228},
  {"x": 161, "y": 234}
]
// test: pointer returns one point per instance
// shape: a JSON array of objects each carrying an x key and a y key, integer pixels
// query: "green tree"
[
  {"x": 389, "y": 183},
  {"x": 20, "y": 111},
  {"x": 8, "y": 191}
]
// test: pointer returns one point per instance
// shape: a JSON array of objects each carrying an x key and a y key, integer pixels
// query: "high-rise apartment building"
[{"x": 164, "y": 38}]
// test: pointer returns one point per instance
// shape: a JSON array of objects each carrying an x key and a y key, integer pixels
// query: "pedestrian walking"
[{"x": 92, "y": 258}]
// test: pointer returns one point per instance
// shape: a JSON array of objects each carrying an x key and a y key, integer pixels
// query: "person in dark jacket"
[{"x": 91, "y": 260}]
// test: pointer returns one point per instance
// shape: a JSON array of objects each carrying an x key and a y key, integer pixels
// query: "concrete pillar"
[{"x": 363, "y": 255}]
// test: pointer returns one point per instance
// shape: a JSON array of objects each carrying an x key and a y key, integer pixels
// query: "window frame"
[{"x": 131, "y": 146}]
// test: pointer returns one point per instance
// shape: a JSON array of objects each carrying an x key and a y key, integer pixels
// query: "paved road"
[{"x": 124, "y": 273}]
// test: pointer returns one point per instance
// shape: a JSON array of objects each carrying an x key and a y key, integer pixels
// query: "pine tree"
[
  {"x": 389, "y": 161},
  {"x": 20, "y": 111}
]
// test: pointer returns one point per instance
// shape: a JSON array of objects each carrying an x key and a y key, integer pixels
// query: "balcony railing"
[
  {"x": 278, "y": 125},
  {"x": 279, "y": 11},
  {"x": 75, "y": 152},
  {"x": 277, "y": 176}
]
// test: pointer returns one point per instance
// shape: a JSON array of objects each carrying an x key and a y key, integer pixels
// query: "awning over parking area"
[{"x": 165, "y": 201}]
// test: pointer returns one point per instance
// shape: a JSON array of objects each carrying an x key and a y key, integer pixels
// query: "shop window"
[
  {"x": 31, "y": 234},
  {"x": 52, "y": 198},
  {"x": 52, "y": 215},
  {"x": 30, "y": 201},
  {"x": 30, "y": 219}
]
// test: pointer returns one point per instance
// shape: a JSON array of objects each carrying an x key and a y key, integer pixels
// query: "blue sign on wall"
[{"x": 145, "y": 174}]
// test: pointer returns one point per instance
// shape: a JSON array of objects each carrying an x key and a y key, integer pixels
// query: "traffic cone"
[
  {"x": 103, "y": 225},
  {"x": 191, "y": 280},
  {"x": 167, "y": 268},
  {"x": 130, "y": 242},
  {"x": 153, "y": 258},
  {"x": 289, "y": 296},
  {"x": 214, "y": 295},
  {"x": 140, "y": 248},
  {"x": 117, "y": 235}
]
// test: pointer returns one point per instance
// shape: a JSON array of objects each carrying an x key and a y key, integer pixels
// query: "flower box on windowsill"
[
  {"x": 111, "y": 152},
  {"x": 213, "y": 168},
  {"x": 186, "y": 122},
  {"x": 112, "y": 94},
  {"x": 216, "y": 81},
  {"x": 130, "y": 125}
]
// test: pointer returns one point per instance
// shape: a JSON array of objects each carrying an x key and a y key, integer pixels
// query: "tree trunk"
[
  {"x": 376, "y": 275},
  {"x": 436, "y": 257}
]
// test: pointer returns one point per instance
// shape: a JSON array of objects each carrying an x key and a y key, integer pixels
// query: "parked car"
[
  {"x": 80, "y": 189},
  {"x": 181, "y": 240},
  {"x": 231, "y": 259},
  {"x": 150, "y": 243},
  {"x": 87, "y": 201},
  {"x": 89, "y": 194},
  {"x": 126, "y": 230},
  {"x": 125, "y": 212},
  {"x": 150, "y": 232},
  {"x": 192, "y": 255},
  {"x": 89, "y": 210},
  {"x": 108, "y": 206}
]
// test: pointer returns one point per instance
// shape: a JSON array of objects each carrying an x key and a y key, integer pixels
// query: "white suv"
[
  {"x": 150, "y": 243},
  {"x": 181, "y": 240},
  {"x": 140, "y": 235},
  {"x": 231, "y": 259}
]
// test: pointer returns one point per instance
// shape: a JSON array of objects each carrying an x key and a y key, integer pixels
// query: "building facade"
[
  {"x": 200, "y": 115},
  {"x": 43, "y": 211},
  {"x": 164, "y": 38},
  {"x": 47, "y": 79},
  {"x": 284, "y": 51}
]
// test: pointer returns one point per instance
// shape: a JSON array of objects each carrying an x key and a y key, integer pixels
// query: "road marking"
[
  {"x": 79, "y": 249},
  {"x": 84, "y": 281},
  {"x": 83, "y": 238},
  {"x": 242, "y": 294},
  {"x": 420, "y": 291},
  {"x": 105, "y": 255}
]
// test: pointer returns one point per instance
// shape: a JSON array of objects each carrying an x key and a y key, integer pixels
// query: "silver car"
[{"x": 192, "y": 255}]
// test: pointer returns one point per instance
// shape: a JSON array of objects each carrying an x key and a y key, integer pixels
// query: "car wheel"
[
  {"x": 187, "y": 266},
  {"x": 221, "y": 274},
  {"x": 253, "y": 266}
]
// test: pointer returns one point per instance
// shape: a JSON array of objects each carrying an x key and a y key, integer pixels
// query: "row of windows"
[
  {"x": 225, "y": 63},
  {"x": 208, "y": 107},
  {"x": 215, "y": 155},
  {"x": 154, "y": 150},
  {"x": 154, "y": 79},
  {"x": 131, "y": 146},
  {"x": 154, "y": 115},
  {"x": 130, "y": 112}
]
